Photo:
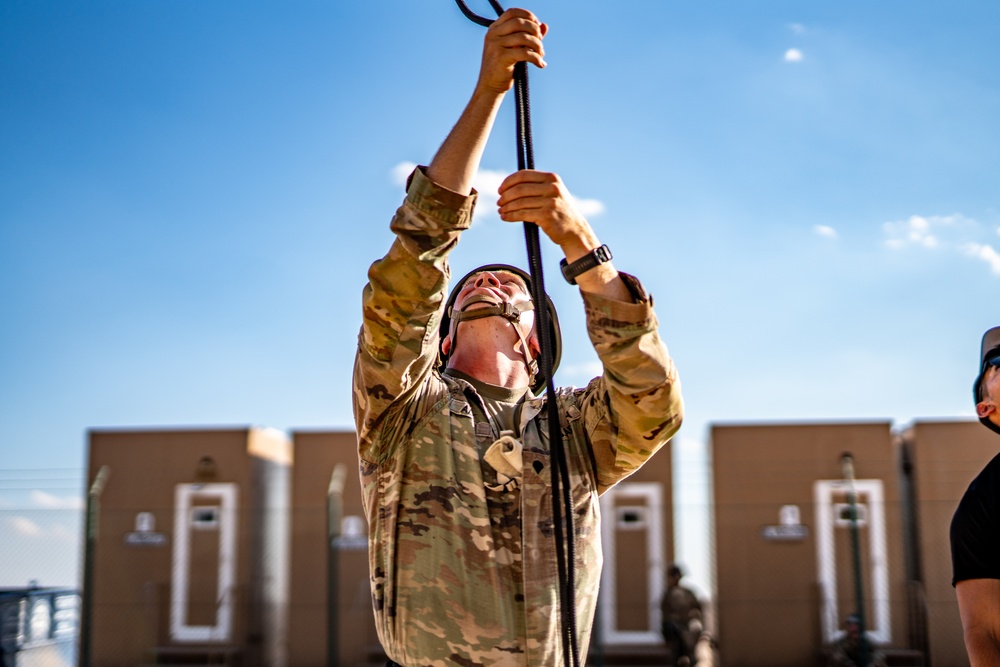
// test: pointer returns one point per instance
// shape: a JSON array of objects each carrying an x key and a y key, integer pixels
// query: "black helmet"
[{"x": 538, "y": 383}]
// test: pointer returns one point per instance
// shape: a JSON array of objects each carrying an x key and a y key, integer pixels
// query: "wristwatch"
[{"x": 593, "y": 258}]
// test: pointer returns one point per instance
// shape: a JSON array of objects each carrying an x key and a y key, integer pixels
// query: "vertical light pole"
[
  {"x": 87, "y": 613},
  {"x": 847, "y": 466},
  {"x": 334, "y": 511}
]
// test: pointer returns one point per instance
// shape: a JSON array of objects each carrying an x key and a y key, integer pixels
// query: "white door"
[
  {"x": 833, "y": 529},
  {"x": 632, "y": 582},
  {"x": 204, "y": 563}
]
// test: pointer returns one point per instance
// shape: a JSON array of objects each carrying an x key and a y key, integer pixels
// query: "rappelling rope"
[{"x": 562, "y": 499}]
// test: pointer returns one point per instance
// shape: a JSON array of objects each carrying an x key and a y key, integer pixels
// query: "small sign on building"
[
  {"x": 145, "y": 534},
  {"x": 790, "y": 528}
]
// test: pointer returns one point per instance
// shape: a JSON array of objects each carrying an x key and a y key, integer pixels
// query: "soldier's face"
[{"x": 495, "y": 286}]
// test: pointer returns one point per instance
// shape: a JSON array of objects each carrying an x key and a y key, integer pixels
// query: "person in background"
[
  {"x": 846, "y": 651},
  {"x": 681, "y": 621},
  {"x": 975, "y": 527}
]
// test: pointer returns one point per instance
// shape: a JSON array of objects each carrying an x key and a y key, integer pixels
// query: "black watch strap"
[{"x": 593, "y": 258}]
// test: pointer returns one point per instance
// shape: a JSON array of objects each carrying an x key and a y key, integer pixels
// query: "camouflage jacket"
[
  {"x": 680, "y": 605},
  {"x": 463, "y": 566}
]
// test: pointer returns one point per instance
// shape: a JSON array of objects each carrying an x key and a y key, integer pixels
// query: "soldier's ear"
[
  {"x": 446, "y": 345},
  {"x": 534, "y": 346},
  {"x": 985, "y": 408}
]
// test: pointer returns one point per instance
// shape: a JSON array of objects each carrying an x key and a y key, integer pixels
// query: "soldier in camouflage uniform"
[
  {"x": 680, "y": 618},
  {"x": 454, "y": 447},
  {"x": 846, "y": 651}
]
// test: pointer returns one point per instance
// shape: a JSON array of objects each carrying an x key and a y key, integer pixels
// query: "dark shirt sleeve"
[{"x": 975, "y": 528}]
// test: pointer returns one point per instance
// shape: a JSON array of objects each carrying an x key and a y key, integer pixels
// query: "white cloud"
[
  {"x": 49, "y": 501},
  {"x": 918, "y": 231},
  {"x": 589, "y": 208},
  {"x": 930, "y": 231},
  {"x": 401, "y": 172},
  {"x": 487, "y": 182},
  {"x": 825, "y": 231},
  {"x": 64, "y": 533},
  {"x": 793, "y": 56},
  {"x": 944, "y": 233},
  {"x": 985, "y": 253},
  {"x": 24, "y": 526}
]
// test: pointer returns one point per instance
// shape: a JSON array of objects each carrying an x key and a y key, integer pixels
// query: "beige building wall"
[
  {"x": 946, "y": 456},
  {"x": 784, "y": 575},
  {"x": 316, "y": 455},
  {"x": 134, "y": 564}
]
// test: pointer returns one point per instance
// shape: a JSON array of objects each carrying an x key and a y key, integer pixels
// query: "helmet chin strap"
[{"x": 508, "y": 311}]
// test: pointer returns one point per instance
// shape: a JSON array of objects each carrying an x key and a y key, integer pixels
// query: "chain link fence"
[{"x": 41, "y": 527}]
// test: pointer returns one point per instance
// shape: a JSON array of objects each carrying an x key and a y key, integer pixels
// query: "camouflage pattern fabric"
[
  {"x": 680, "y": 612},
  {"x": 463, "y": 568},
  {"x": 680, "y": 605}
]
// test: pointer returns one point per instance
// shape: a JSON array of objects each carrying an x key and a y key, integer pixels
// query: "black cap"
[{"x": 988, "y": 351}]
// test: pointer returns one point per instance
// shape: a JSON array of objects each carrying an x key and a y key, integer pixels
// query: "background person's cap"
[{"x": 988, "y": 350}]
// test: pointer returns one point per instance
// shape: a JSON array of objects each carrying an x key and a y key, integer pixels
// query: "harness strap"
[{"x": 509, "y": 312}]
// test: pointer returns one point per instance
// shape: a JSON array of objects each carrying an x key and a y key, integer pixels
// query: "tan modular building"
[
  {"x": 784, "y": 557},
  {"x": 312, "y": 621},
  {"x": 785, "y": 575},
  {"x": 945, "y": 457},
  {"x": 190, "y": 563},
  {"x": 214, "y": 548}
]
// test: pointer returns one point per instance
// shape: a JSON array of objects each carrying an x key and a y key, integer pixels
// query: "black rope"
[
  {"x": 562, "y": 497},
  {"x": 476, "y": 18}
]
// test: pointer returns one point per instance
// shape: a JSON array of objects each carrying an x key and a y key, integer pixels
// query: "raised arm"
[
  {"x": 542, "y": 198},
  {"x": 402, "y": 300},
  {"x": 979, "y": 607},
  {"x": 635, "y": 406},
  {"x": 514, "y": 37}
]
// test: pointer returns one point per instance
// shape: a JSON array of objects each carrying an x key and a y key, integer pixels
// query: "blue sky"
[{"x": 191, "y": 192}]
